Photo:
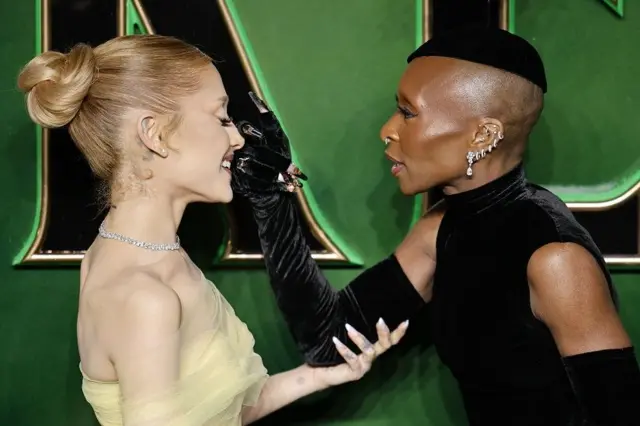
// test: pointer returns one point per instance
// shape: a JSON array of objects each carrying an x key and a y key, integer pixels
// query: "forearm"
[
  {"x": 313, "y": 310},
  {"x": 282, "y": 389},
  {"x": 607, "y": 386}
]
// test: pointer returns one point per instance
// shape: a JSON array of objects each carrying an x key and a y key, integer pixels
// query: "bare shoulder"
[
  {"x": 138, "y": 302},
  {"x": 564, "y": 277},
  {"x": 417, "y": 252},
  {"x": 570, "y": 294},
  {"x": 568, "y": 264},
  {"x": 425, "y": 231}
]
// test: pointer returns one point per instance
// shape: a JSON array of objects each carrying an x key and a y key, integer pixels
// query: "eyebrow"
[{"x": 404, "y": 98}]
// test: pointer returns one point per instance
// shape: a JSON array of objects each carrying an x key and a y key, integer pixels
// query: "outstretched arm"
[
  {"x": 284, "y": 388},
  {"x": 569, "y": 293},
  {"x": 393, "y": 289}
]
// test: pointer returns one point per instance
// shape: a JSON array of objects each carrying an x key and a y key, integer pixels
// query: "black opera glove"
[
  {"x": 313, "y": 310},
  {"x": 607, "y": 386},
  {"x": 264, "y": 164}
]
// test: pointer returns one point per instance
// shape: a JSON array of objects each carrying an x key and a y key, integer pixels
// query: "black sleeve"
[
  {"x": 313, "y": 310},
  {"x": 607, "y": 386}
]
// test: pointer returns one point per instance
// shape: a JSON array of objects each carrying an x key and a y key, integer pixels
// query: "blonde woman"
[{"x": 158, "y": 343}]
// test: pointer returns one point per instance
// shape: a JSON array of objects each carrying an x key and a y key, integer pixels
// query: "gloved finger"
[
  {"x": 246, "y": 165},
  {"x": 250, "y": 132},
  {"x": 295, "y": 171},
  {"x": 265, "y": 155},
  {"x": 249, "y": 184},
  {"x": 259, "y": 103}
]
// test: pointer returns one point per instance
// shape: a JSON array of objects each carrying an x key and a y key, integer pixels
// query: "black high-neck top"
[{"x": 505, "y": 360}]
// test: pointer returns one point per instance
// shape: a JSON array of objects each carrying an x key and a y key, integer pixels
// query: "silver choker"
[{"x": 149, "y": 246}]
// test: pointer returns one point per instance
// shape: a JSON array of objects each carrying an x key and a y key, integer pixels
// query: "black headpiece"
[{"x": 488, "y": 46}]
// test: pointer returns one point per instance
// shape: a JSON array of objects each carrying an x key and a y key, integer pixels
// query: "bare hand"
[{"x": 357, "y": 366}]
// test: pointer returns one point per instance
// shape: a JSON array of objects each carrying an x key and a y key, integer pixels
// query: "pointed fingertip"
[{"x": 335, "y": 341}]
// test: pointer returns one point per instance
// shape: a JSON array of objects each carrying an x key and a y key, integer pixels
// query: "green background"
[{"x": 332, "y": 102}]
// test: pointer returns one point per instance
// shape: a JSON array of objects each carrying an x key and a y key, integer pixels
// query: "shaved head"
[{"x": 448, "y": 107}]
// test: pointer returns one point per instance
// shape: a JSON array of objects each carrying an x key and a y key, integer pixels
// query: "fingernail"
[
  {"x": 336, "y": 341},
  {"x": 349, "y": 328},
  {"x": 405, "y": 324},
  {"x": 381, "y": 322}
]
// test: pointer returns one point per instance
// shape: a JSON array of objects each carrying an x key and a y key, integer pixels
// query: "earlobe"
[{"x": 149, "y": 136}]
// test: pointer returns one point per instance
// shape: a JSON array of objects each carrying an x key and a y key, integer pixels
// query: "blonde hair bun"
[{"x": 56, "y": 84}]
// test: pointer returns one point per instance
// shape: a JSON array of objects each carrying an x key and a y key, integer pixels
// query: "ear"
[
  {"x": 149, "y": 135},
  {"x": 489, "y": 133}
]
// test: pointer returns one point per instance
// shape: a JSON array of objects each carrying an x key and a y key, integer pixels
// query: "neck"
[
  {"x": 150, "y": 219},
  {"x": 500, "y": 192},
  {"x": 482, "y": 175}
]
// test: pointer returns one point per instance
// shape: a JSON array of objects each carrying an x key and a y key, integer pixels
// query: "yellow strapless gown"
[{"x": 220, "y": 374}]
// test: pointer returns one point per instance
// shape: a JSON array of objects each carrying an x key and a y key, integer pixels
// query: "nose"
[
  {"x": 388, "y": 132},
  {"x": 236, "y": 139}
]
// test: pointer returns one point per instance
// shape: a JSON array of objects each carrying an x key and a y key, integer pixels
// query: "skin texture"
[
  {"x": 133, "y": 302},
  {"x": 570, "y": 295},
  {"x": 447, "y": 107}
]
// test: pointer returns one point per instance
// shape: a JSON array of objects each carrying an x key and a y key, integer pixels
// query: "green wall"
[{"x": 332, "y": 105}]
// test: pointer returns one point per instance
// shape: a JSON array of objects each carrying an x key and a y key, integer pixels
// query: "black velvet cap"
[{"x": 488, "y": 46}]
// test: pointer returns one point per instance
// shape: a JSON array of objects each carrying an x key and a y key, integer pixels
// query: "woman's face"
[
  {"x": 199, "y": 151},
  {"x": 432, "y": 130}
]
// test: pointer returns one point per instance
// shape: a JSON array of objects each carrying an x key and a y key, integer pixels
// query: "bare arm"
[
  {"x": 144, "y": 347},
  {"x": 417, "y": 252},
  {"x": 282, "y": 389},
  {"x": 285, "y": 388},
  {"x": 570, "y": 294}
]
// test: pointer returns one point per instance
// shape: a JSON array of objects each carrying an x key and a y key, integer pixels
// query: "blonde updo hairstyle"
[{"x": 92, "y": 89}]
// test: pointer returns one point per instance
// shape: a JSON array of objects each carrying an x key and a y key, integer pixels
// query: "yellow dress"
[{"x": 219, "y": 375}]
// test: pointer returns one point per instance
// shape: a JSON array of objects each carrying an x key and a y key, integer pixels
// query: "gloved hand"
[
  {"x": 264, "y": 164},
  {"x": 314, "y": 311}
]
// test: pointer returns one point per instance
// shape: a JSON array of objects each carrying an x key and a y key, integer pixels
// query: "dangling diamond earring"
[
  {"x": 470, "y": 157},
  {"x": 473, "y": 157}
]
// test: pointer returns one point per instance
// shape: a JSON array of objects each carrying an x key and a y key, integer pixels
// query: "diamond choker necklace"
[{"x": 149, "y": 246}]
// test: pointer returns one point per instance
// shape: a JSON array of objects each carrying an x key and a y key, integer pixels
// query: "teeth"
[{"x": 226, "y": 164}]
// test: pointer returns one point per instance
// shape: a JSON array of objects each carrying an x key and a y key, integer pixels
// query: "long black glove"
[
  {"x": 607, "y": 386},
  {"x": 313, "y": 310}
]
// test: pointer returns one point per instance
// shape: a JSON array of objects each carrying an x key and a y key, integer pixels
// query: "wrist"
[{"x": 315, "y": 377}]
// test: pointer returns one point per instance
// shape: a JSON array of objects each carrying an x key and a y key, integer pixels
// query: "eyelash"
[
  {"x": 405, "y": 113},
  {"x": 226, "y": 121}
]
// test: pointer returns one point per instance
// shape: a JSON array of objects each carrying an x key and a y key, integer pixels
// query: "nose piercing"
[{"x": 386, "y": 141}]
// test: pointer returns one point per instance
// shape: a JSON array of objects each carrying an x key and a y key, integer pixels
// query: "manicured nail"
[
  {"x": 405, "y": 324},
  {"x": 381, "y": 322},
  {"x": 349, "y": 328},
  {"x": 336, "y": 341}
]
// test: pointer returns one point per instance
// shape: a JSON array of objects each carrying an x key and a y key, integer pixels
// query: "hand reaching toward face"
[
  {"x": 356, "y": 366},
  {"x": 264, "y": 164}
]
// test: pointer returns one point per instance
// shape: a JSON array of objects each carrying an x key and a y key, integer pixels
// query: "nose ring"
[{"x": 386, "y": 141}]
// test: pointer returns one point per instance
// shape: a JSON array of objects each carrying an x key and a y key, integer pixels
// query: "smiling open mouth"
[{"x": 226, "y": 162}]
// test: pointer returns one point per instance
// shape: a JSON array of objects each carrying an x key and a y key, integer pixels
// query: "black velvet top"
[{"x": 505, "y": 360}]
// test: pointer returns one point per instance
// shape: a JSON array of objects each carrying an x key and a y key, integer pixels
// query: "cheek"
[{"x": 433, "y": 148}]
